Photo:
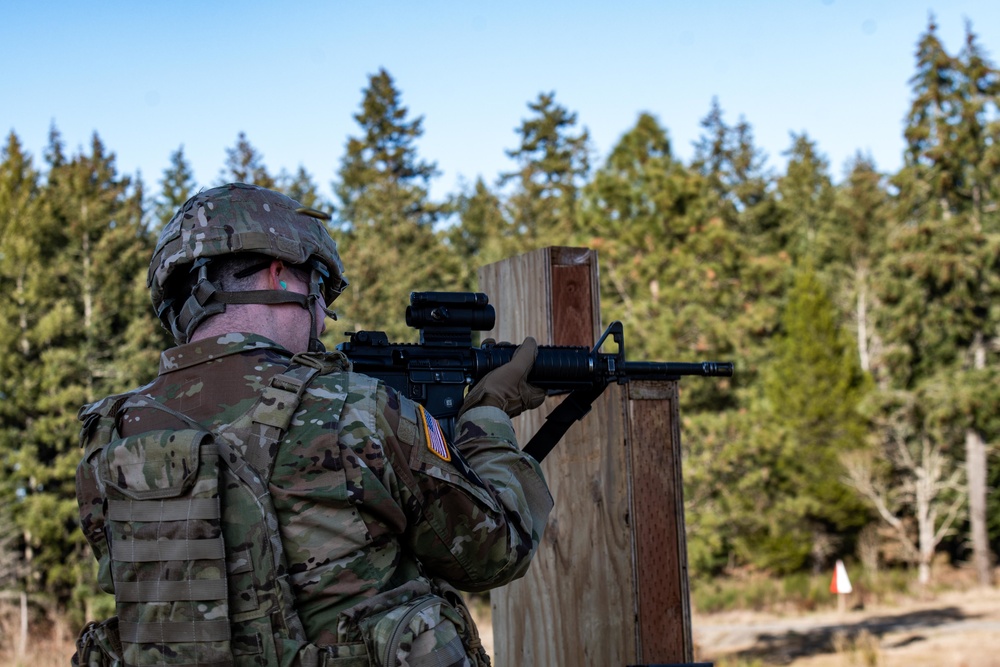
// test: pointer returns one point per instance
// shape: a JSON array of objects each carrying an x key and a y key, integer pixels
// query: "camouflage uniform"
[
  {"x": 364, "y": 501},
  {"x": 373, "y": 508}
]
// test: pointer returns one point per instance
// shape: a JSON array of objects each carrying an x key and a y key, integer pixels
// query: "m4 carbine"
[{"x": 436, "y": 371}]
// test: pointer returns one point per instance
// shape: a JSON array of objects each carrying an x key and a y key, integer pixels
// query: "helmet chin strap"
[
  {"x": 307, "y": 302},
  {"x": 206, "y": 299},
  {"x": 316, "y": 298},
  {"x": 315, "y": 345}
]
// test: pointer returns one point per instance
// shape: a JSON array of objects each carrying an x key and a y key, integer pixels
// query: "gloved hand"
[{"x": 507, "y": 387}]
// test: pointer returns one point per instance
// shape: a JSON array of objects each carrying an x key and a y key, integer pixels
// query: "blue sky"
[{"x": 149, "y": 77}]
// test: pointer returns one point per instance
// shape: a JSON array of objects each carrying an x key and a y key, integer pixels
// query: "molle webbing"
[
  {"x": 164, "y": 510},
  {"x": 152, "y": 551},
  {"x": 163, "y": 634},
  {"x": 168, "y": 557},
  {"x": 166, "y": 591}
]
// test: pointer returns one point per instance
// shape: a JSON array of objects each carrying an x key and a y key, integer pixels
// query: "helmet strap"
[
  {"x": 316, "y": 279},
  {"x": 207, "y": 300}
]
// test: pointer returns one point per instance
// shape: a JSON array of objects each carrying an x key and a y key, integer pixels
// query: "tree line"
[{"x": 863, "y": 314}]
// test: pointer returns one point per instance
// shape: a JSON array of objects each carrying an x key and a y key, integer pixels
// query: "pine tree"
[
  {"x": 738, "y": 191},
  {"x": 244, "y": 164},
  {"x": 739, "y": 196},
  {"x": 862, "y": 210},
  {"x": 301, "y": 188},
  {"x": 389, "y": 244},
  {"x": 483, "y": 234},
  {"x": 55, "y": 151},
  {"x": 807, "y": 228},
  {"x": 86, "y": 250},
  {"x": 736, "y": 174},
  {"x": 812, "y": 391},
  {"x": 940, "y": 277},
  {"x": 553, "y": 163},
  {"x": 23, "y": 246},
  {"x": 769, "y": 480},
  {"x": 176, "y": 186},
  {"x": 664, "y": 260}
]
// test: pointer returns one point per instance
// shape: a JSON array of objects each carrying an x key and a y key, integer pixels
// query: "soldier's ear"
[{"x": 274, "y": 273}]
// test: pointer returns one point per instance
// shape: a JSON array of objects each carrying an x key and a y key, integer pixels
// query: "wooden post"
[{"x": 609, "y": 584}]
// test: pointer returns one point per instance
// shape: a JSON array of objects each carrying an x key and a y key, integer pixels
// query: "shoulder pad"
[
  {"x": 99, "y": 418},
  {"x": 103, "y": 407}
]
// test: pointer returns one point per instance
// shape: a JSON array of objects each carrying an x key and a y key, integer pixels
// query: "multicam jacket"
[{"x": 367, "y": 494}]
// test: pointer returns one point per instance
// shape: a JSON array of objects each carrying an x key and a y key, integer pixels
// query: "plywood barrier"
[{"x": 609, "y": 585}]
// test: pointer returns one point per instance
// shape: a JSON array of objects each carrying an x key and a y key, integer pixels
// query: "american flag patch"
[{"x": 435, "y": 438}]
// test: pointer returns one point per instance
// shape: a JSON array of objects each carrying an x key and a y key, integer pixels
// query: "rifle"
[{"x": 436, "y": 371}]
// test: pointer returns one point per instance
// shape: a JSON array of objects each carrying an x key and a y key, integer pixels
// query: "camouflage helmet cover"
[{"x": 238, "y": 218}]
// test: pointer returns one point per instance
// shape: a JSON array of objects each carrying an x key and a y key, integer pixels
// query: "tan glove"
[{"x": 507, "y": 387}]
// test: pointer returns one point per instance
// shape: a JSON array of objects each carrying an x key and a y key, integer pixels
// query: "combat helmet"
[{"x": 239, "y": 218}]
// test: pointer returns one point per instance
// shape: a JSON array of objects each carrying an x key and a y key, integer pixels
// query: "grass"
[
  {"x": 50, "y": 643},
  {"x": 797, "y": 592}
]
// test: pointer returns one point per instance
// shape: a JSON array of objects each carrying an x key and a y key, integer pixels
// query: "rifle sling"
[{"x": 572, "y": 409}]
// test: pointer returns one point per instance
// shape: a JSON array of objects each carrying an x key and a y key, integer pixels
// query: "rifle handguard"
[{"x": 507, "y": 387}]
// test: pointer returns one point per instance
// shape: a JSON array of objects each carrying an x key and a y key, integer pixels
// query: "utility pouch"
[{"x": 413, "y": 626}]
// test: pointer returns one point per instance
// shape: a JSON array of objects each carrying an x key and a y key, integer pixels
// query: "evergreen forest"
[{"x": 862, "y": 311}]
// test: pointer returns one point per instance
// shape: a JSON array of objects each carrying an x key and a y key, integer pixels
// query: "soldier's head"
[{"x": 242, "y": 244}]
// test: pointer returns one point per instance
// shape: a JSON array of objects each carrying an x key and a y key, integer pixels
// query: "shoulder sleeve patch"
[{"x": 433, "y": 435}]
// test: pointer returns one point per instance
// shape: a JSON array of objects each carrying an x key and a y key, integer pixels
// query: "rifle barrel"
[
  {"x": 652, "y": 370},
  {"x": 563, "y": 367}
]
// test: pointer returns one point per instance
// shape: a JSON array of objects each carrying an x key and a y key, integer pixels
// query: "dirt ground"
[{"x": 952, "y": 629}]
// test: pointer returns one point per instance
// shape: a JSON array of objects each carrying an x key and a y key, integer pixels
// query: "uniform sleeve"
[{"x": 477, "y": 507}]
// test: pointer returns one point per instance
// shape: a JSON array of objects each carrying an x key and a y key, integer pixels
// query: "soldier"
[{"x": 374, "y": 507}]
